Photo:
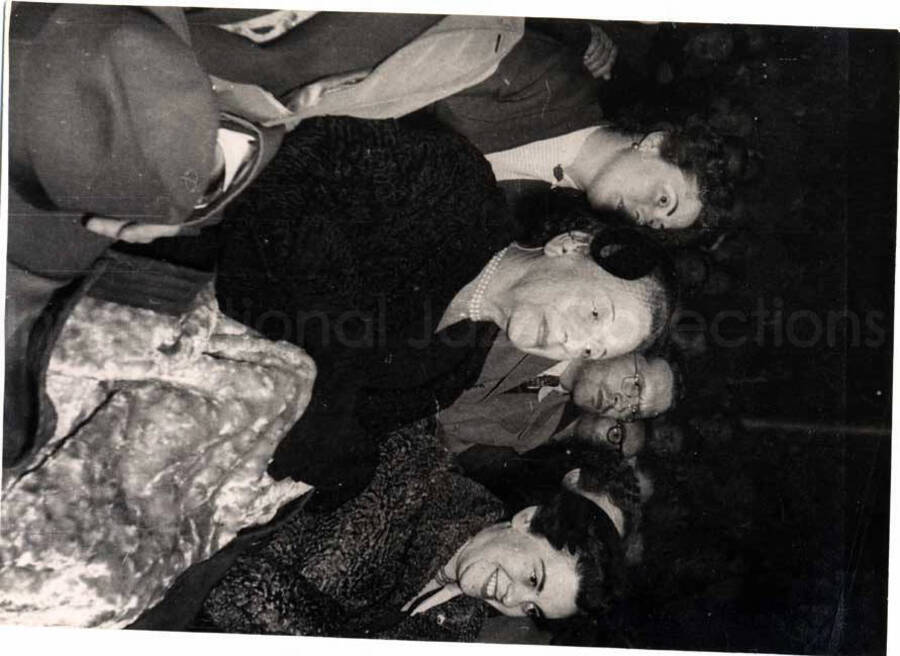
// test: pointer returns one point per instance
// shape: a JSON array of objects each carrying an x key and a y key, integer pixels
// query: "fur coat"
[
  {"x": 346, "y": 573},
  {"x": 351, "y": 244}
]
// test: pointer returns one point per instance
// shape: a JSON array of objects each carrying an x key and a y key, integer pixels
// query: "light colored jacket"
[{"x": 454, "y": 54}]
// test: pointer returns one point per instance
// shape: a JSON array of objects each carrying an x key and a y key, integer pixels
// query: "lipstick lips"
[{"x": 489, "y": 589}]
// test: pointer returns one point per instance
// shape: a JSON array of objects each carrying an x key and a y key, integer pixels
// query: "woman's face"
[
  {"x": 517, "y": 572},
  {"x": 650, "y": 190}
]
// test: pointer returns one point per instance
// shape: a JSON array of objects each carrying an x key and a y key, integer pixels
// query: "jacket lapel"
[
  {"x": 511, "y": 366},
  {"x": 268, "y": 140}
]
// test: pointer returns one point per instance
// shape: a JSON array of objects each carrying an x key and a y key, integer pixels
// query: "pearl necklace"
[{"x": 484, "y": 279}]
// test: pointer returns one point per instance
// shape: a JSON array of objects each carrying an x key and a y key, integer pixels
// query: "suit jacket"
[
  {"x": 327, "y": 44},
  {"x": 492, "y": 413},
  {"x": 540, "y": 90}
]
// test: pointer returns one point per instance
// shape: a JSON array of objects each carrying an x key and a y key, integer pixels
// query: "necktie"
[{"x": 535, "y": 384}]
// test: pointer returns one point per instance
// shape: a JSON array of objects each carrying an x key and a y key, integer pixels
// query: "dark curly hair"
[
  {"x": 552, "y": 212},
  {"x": 716, "y": 161},
  {"x": 572, "y": 522},
  {"x": 567, "y": 520},
  {"x": 631, "y": 255}
]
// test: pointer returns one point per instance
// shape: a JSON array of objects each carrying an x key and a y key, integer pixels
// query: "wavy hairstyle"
[
  {"x": 718, "y": 161},
  {"x": 571, "y": 522}
]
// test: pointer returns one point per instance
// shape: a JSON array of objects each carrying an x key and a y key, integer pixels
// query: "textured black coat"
[
  {"x": 351, "y": 244},
  {"x": 346, "y": 573}
]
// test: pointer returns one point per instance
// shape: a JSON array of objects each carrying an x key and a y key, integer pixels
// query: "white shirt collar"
[
  {"x": 538, "y": 159},
  {"x": 237, "y": 149}
]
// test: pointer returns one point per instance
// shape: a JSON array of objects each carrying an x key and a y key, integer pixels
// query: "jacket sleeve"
[
  {"x": 262, "y": 596},
  {"x": 570, "y": 32},
  {"x": 327, "y": 44}
]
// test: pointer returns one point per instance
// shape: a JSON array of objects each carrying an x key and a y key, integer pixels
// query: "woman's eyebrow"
[
  {"x": 674, "y": 207},
  {"x": 543, "y": 576}
]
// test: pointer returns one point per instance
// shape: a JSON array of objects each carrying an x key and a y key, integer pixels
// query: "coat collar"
[
  {"x": 268, "y": 141},
  {"x": 511, "y": 366}
]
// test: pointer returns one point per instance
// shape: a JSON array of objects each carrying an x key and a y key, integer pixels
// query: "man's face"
[
  {"x": 650, "y": 190},
  {"x": 615, "y": 388},
  {"x": 666, "y": 438},
  {"x": 603, "y": 431},
  {"x": 567, "y": 307},
  {"x": 517, "y": 572}
]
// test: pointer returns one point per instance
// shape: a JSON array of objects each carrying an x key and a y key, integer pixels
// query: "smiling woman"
[
  {"x": 525, "y": 575},
  {"x": 420, "y": 555},
  {"x": 550, "y": 561},
  {"x": 582, "y": 295}
]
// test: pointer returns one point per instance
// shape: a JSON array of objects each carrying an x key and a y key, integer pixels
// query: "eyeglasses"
[
  {"x": 615, "y": 435},
  {"x": 631, "y": 388}
]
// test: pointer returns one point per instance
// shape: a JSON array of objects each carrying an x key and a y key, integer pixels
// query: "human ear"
[
  {"x": 522, "y": 519},
  {"x": 652, "y": 142},
  {"x": 568, "y": 242},
  {"x": 570, "y": 480}
]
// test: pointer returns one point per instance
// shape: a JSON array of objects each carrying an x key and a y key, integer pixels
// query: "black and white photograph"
[{"x": 452, "y": 328}]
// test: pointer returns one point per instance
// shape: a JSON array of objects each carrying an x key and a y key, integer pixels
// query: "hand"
[
  {"x": 601, "y": 53},
  {"x": 135, "y": 233}
]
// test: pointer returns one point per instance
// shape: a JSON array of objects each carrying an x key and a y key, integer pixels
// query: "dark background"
[{"x": 768, "y": 529}]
